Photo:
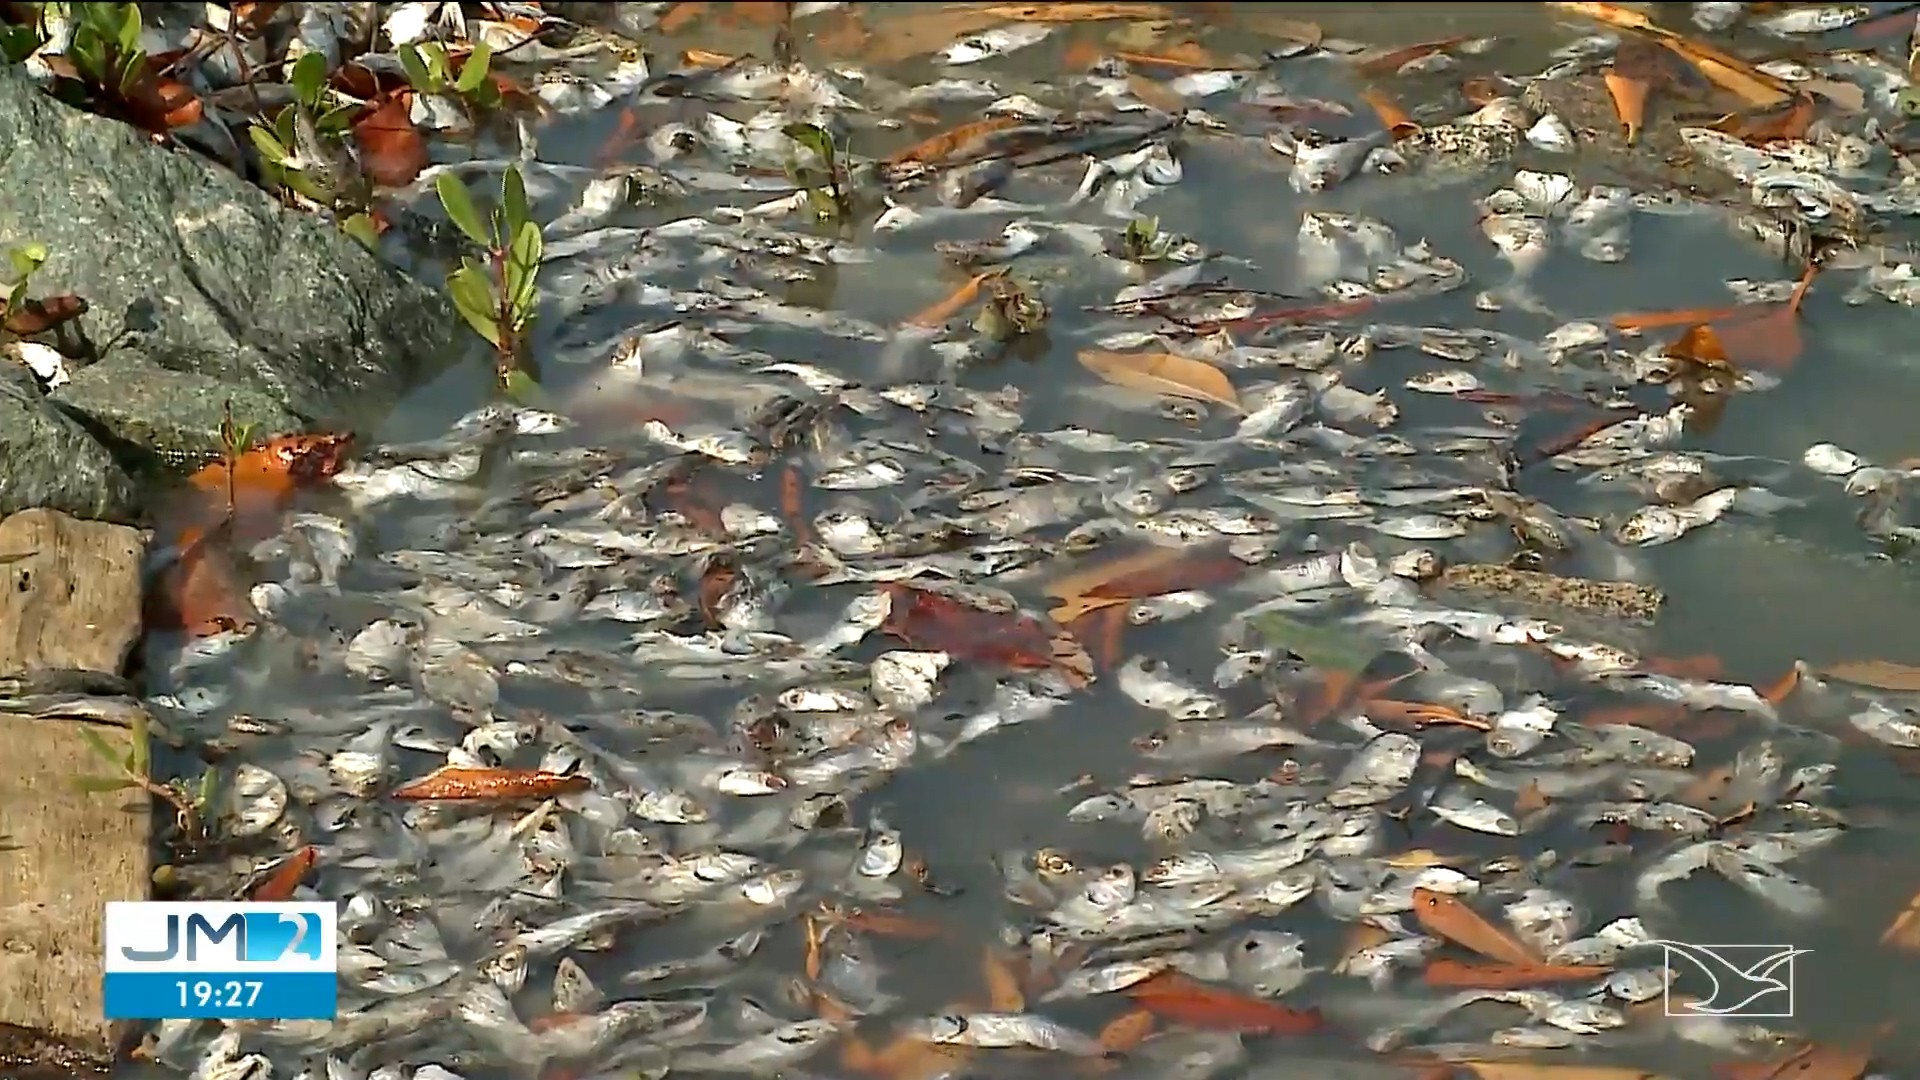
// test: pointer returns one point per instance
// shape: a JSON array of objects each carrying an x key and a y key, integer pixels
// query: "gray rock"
[
  {"x": 47, "y": 459},
  {"x": 192, "y": 270},
  {"x": 153, "y": 407}
]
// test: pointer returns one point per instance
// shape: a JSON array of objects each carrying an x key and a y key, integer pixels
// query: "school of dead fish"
[{"x": 771, "y": 562}]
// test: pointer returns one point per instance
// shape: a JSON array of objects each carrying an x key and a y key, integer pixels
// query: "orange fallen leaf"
[
  {"x": 159, "y": 103},
  {"x": 1077, "y": 12},
  {"x": 1629, "y": 101},
  {"x": 1004, "y": 993},
  {"x": 1782, "y": 688},
  {"x": 1392, "y": 116},
  {"x": 891, "y": 924},
  {"x": 1878, "y": 674},
  {"x": 1186, "y": 56},
  {"x": 1175, "y": 997},
  {"x": 706, "y": 58},
  {"x": 1700, "y": 346},
  {"x": 1778, "y": 125},
  {"x": 392, "y": 150},
  {"x": 1658, "y": 320},
  {"x": 959, "y": 300},
  {"x": 201, "y": 592},
  {"x": 1449, "y": 917},
  {"x": 680, "y": 16},
  {"x": 1726, "y": 71},
  {"x": 1421, "y": 714},
  {"x": 1126, "y": 1031},
  {"x": 1389, "y": 62},
  {"x": 1467, "y": 976},
  {"x": 1165, "y": 374},
  {"x": 965, "y": 141},
  {"x": 280, "y": 885},
  {"x": 456, "y": 783},
  {"x": 1904, "y": 931}
]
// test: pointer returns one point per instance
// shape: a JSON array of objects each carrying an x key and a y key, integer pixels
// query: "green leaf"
[
  {"x": 523, "y": 263},
  {"x": 18, "y": 43},
  {"x": 209, "y": 786},
  {"x": 435, "y": 55},
  {"x": 522, "y": 390},
  {"x": 458, "y": 203},
  {"x": 361, "y": 227},
  {"x": 139, "y": 758},
  {"x": 813, "y": 137},
  {"x": 473, "y": 73},
  {"x": 416, "y": 69},
  {"x": 104, "y": 783},
  {"x": 473, "y": 298},
  {"x": 269, "y": 147},
  {"x": 309, "y": 78},
  {"x": 513, "y": 200},
  {"x": 100, "y": 747},
  {"x": 1328, "y": 648},
  {"x": 25, "y": 259},
  {"x": 127, "y": 35}
]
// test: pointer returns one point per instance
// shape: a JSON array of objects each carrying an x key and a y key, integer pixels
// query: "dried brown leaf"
[
  {"x": 1164, "y": 374},
  {"x": 1879, "y": 674}
]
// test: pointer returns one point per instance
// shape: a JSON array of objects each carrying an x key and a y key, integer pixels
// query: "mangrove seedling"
[
  {"x": 497, "y": 297},
  {"x": 431, "y": 70},
  {"x": 130, "y": 767},
  {"x": 825, "y": 178},
  {"x": 235, "y": 441},
  {"x": 303, "y": 148}
]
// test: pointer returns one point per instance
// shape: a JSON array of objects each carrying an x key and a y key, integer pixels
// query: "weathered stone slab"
[
  {"x": 69, "y": 598},
  {"x": 48, "y": 460}
]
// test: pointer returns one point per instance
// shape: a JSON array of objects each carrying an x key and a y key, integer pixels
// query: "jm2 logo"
[{"x": 261, "y": 938}]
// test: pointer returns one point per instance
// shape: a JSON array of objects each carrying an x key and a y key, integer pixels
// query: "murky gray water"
[{"x": 1756, "y": 593}]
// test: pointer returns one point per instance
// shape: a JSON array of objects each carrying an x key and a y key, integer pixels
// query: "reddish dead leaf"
[
  {"x": 1774, "y": 125},
  {"x": 1126, "y": 1031},
  {"x": 158, "y": 103},
  {"x": 965, "y": 141},
  {"x": 1389, "y": 62},
  {"x": 1482, "y": 91},
  {"x": 392, "y": 150},
  {"x": 1185, "y": 56},
  {"x": 280, "y": 885},
  {"x": 892, "y": 924},
  {"x": 706, "y": 58},
  {"x": 793, "y": 505},
  {"x": 1101, "y": 630},
  {"x": 37, "y": 316},
  {"x": 1392, "y": 116},
  {"x": 452, "y": 782},
  {"x": 358, "y": 80},
  {"x": 1419, "y": 714},
  {"x": 1449, "y": 917},
  {"x": 201, "y": 592},
  {"x": 1078, "y": 12},
  {"x": 1175, "y": 997},
  {"x": 1629, "y": 101},
  {"x": 680, "y": 16},
  {"x": 1468, "y": 976},
  {"x": 929, "y": 620},
  {"x": 1782, "y": 688},
  {"x": 262, "y": 482}
]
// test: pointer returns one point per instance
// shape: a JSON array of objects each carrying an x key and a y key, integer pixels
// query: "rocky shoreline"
[{"x": 203, "y": 294}]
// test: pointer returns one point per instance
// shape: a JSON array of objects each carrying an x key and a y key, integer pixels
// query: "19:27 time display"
[{"x": 231, "y": 994}]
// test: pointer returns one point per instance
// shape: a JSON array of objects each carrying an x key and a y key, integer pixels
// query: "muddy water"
[{"x": 1756, "y": 594}]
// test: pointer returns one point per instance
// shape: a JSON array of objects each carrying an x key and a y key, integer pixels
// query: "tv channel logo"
[{"x": 168, "y": 960}]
